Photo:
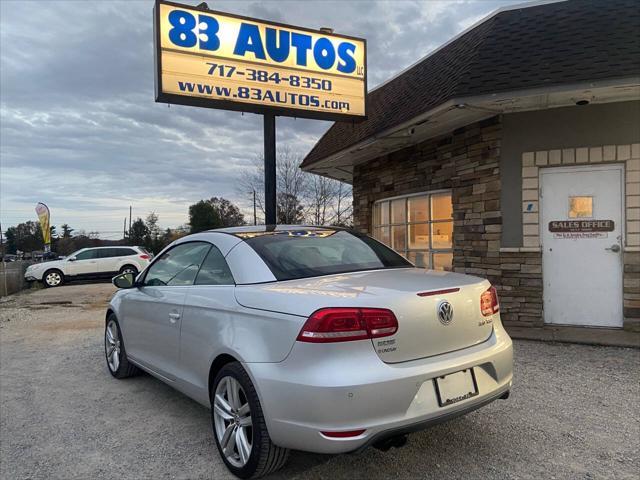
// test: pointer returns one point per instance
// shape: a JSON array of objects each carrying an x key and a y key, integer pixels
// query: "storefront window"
[{"x": 420, "y": 227}]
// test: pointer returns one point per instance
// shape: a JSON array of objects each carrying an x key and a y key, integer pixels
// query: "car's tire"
[
  {"x": 129, "y": 269},
  {"x": 229, "y": 416},
  {"x": 117, "y": 362},
  {"x": 53, "y": 278}
]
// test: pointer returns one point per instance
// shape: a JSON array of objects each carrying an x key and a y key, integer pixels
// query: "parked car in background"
[
  {"x": 49, "y": 256},
  {"x": 308, "y": 338},
  {"x": 90, "y": 263},
  {"x": 44, "y": 256}
]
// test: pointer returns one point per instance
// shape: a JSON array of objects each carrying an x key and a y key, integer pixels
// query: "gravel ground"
[{"x": 573, "y": 413}]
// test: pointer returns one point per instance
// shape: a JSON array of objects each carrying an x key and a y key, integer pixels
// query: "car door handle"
[{"x": 174, "y": 317}]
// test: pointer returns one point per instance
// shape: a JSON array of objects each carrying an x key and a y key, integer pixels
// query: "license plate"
[{"x": 456, "y": 387}]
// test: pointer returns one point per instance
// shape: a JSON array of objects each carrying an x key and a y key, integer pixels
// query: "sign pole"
[
  {"x": 270, "y": 168},
  {"x": 210, "y": 59}
]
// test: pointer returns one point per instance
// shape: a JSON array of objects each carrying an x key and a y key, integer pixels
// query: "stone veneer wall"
[{"x": 467, "y": 162}]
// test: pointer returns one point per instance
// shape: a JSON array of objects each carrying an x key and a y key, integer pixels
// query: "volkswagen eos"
[{"x": 308, "y": 338}]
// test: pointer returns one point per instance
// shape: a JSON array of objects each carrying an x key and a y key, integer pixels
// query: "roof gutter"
[
  {"x": 419, "y": 120},
  {"x": 474, "y": 103}
]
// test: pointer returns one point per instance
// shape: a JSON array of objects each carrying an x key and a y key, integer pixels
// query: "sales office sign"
[
  {"x": 581, "y": 229},
  {"x": 217, "y": 60}
]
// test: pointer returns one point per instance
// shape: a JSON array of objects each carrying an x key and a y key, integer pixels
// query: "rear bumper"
[
  {"x": 320, "y": 388},
  {"x": 415, "y": 427}
]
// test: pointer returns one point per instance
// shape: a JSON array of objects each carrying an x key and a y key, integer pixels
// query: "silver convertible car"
[{"x": 308, "y": 338}]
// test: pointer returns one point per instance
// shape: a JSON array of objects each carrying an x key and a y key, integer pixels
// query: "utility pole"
[
  {"x": 255, "y": 220},
  {"x": 130, "y": 209},
  {"x": 124, "y": 229}
]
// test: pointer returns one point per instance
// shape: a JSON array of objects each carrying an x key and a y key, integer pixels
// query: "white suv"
[{"x": 99, "y": 262}]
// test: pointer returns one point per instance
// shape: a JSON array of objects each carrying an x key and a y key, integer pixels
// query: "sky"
[{"x": 80, "y": 131}]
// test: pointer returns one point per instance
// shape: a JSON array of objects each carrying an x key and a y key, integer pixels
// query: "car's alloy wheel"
[
  {"x": 53, "y": 278},
  {"x": 232, "y": 420},
  {"x": 116, "y": 355},
  {"x": 239, "y": 426},
  {"x": 112, "y": 345}
]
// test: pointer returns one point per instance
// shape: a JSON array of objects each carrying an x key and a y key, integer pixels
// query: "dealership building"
[{"x": 512, "y": 152}]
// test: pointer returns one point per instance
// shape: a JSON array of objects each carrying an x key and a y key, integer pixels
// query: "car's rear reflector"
[
  {"x": 351, "y": 433},
  {"x": 489, "y": 302},
  {"x": 144, "y": 256},
  {"x": 347, "y": 324},
  {"x": 438, "y": 292}
]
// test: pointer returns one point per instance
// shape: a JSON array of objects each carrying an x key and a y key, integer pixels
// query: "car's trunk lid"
[{"x": 420, "y": 333}]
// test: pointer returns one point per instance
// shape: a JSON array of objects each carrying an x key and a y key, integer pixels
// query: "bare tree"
[
  {"x": 324, "y": 201},
  {"x": 290, "y": 180},
  {"x": 289, "y": 210},
  {"x": 343, "y": 205},
  {"x": 320, "y": 195},
  {"x": 252, "y": 180}
]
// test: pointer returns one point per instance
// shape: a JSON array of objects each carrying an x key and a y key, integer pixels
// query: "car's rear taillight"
[
  {"x": 347, "y": 324},
  {"x": 144, "y": 256},
  {"x": 489, "y": 302}
]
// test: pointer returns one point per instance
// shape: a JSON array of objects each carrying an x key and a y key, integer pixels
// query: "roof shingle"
[{"x": 531, "y": 47}]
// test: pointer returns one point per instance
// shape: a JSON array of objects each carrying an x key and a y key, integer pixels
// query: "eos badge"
[{"x": 445, "y": 312}]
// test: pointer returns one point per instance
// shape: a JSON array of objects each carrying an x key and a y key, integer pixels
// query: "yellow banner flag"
[{"x": 43, "y": 215}]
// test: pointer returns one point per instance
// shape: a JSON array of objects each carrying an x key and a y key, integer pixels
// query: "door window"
[
  {"x": 87, "y": 255},
  {"x": 214, "y": 270},
  {"x": 581, "y": 207},
  {"x": 178, "y": 266}
]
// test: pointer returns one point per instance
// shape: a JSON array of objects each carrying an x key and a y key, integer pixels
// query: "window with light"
[{"x": 420, "y": 227}]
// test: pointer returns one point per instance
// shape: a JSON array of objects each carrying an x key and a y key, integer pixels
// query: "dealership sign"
[{"x": 218, "y": 60}]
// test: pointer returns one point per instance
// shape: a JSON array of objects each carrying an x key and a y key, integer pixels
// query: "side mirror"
[
  {"x": 124, "y": 280},
  {"x": 71, "y": 259}
]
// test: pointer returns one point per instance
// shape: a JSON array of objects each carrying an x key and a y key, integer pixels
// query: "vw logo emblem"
[{"x": 445, "y": 312}]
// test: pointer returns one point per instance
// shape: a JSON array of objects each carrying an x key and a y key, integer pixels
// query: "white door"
[{"x": 581, "y": 229}]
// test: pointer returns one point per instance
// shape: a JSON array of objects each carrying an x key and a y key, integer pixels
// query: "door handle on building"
[
  {"x": 615, "y": 248},
  {"x": 174, "y": 317}
]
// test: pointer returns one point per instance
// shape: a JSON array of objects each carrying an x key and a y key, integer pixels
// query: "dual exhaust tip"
[
  {"x": 388, "y": 443},
  {"x": 399, "y": 441}
]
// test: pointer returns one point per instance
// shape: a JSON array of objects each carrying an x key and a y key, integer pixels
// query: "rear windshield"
[{"x": 301, "y": 253}]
